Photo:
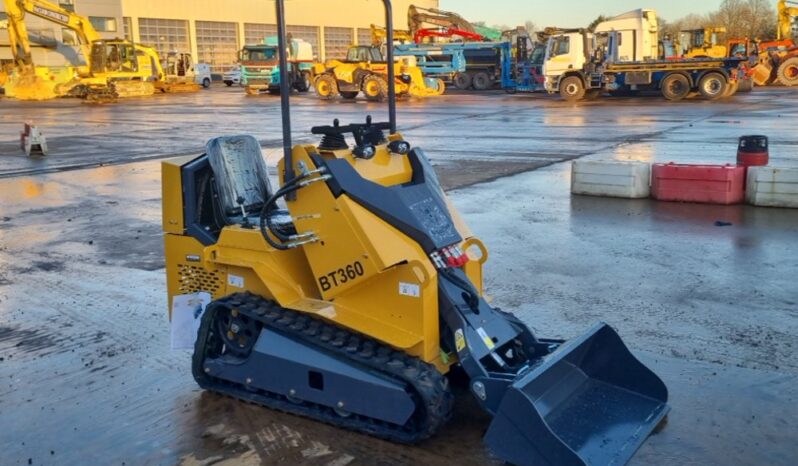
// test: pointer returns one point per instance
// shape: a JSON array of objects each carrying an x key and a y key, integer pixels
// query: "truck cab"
[{"x": 260, "y": 66}]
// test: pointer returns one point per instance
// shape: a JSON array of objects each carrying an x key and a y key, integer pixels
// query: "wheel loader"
[
  {"x": 365, "y": 70},
  {"x": 351, "y": 292}
]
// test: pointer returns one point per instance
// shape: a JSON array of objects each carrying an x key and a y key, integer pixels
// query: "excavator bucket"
[
  {"x": 29, "y": 86},
  {"x": 590, "y": 402}
]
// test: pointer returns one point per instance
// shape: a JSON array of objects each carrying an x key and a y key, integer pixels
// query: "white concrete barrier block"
[
  {"x": 772, "y": 187},
  {"x": 611, "y": 178}
]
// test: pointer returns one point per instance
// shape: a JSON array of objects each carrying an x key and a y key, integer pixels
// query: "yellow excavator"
[
  {"x": 365, "y": 70},
  {"x": 23, "y": 79},
  {"x": 351, "y": 292},
  {"x": 113, "y": 68}
]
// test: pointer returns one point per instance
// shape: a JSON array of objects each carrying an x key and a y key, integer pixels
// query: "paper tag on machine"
[{"x": 187, "y": 310}]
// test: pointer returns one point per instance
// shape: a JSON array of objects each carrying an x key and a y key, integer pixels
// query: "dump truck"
[
  {"x": 348, "y": 293},
  {"x": 260, "y": 67},
  {"x": 622, "y": 56}
]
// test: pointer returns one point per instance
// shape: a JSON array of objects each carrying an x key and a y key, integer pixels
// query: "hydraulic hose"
[{"x": 265, "y": 220}]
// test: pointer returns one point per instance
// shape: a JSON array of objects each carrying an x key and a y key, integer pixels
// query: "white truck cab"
[
  {"x": 637, "y": 34},
  {"x": 630, "y": 37}
]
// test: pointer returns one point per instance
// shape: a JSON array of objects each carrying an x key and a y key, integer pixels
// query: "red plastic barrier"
[{"x": 709, "y": 184}]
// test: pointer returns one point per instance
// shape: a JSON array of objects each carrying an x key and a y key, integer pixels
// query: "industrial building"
[{"x": 213, "y": 30}]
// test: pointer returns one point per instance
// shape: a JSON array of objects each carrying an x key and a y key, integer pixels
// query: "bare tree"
[
  {"x": 530, "y": 27},
  {"x": 746, "y": 18}
]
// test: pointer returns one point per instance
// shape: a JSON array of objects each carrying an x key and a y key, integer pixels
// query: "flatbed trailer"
[
  {"x": 468, "y": 65},
  {"x": 713, "y": 78}
]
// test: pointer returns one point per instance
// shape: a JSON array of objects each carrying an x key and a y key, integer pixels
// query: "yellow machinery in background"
[
  {"x": 113, "y": 68},
  {"x": 702, "y": 43},
  {"x": 349, "y": 292},
  {"x": 365, "y": 70},
  {"x": 23, "y": 79},
  {"x": 379, "y": 36}
]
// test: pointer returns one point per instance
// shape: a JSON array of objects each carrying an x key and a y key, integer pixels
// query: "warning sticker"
[
  {"x": 409, "y": 289},
  {"x": 459, "y": 340},
  {"x": 235, "y": 280},
  {"x": 484, "y": 335}
]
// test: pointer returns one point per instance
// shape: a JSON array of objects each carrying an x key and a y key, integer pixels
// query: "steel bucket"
[{"x": 590, "y": 402}]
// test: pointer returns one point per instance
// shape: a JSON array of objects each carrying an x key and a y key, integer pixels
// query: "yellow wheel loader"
[
  {"x": 365, "y": 70},
  {"x": 349, "y": 293}
]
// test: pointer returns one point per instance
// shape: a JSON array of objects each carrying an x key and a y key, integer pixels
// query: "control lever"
[{"x": 246, "y": 223}]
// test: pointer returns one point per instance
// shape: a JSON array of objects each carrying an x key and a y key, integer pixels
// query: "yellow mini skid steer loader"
[{"x": 348, "y": 294}]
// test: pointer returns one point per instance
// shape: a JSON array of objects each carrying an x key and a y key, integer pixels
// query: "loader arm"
[
  {"x": 52, "y": 12},
  {"x": 418, "y": 16}
]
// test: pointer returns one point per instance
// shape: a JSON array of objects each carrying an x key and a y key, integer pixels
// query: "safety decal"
[
  {"x": 484, "y": 335},
  {"x": 459, "y": 340}
]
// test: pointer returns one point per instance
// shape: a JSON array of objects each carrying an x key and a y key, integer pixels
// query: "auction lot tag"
[
  {"x": 187, "y": 310},
  {"x": 409, "y": 289}
]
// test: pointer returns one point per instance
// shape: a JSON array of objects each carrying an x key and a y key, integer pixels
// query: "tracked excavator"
[
  {"x": 114, "y": 68},
  {"x": 349, "y": 293},
  {"x": 446, "y": 24}
]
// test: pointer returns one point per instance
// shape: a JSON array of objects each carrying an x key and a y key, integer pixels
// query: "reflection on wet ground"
[{"x": 86, "y": 375}]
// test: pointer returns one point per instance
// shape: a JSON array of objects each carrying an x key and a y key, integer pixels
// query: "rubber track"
[{"x": 429, "y": 388}]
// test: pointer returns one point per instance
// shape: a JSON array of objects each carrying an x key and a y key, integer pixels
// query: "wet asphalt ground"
[{"x": 87, "y": 376}]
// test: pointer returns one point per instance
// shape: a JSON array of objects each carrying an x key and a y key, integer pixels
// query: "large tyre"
[
  {"x": 732, "y": 88},
  {"x": 350, "y": 95},
  {"x": 228, "y": 83},
  {"x": 375, "y": 88},
  {"x": 572, "y": 89},
  {"x": 788, "y": 72},
  {"x": 206, "y": 82},
  {"x": 326, "y": 87},
  {"x": 675, "y": 87},
  {"x": 441, "y": 86},
  {"x": 481, "y": 81},
  {"x": 304, "y": 82},
  {"x": 712, "y": 86},
  {"x": 462, "y": 81}
]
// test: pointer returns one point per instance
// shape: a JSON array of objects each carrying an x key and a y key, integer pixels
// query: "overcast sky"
[{"x": 568, "y": 13}]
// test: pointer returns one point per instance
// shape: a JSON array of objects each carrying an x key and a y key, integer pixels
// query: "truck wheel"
[
  {"x": 788, "y": 72},
  {"x": 675, "y": 87},
  {"x": 351, "y": 95},
  {"x": 206, "y": 82},
  {"x": 481, "y": 81},
  {"x": 572, "y": 89},
  {"x": 713, "y": 86},
  {"x": 375, "y": 88},
  {"x": 228, "y": 83},
  {"x": 732, "y": 88},
  {"x": 303, "y": 84},
  {"x": 462, "y": 81},
  {"x": 440, "y": 86},
  {"x": 746, "y": 85},
  {"x": 326, "y": 87}
]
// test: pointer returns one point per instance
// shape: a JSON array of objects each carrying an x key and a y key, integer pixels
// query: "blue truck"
[{"x": 481, "y": 65}]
